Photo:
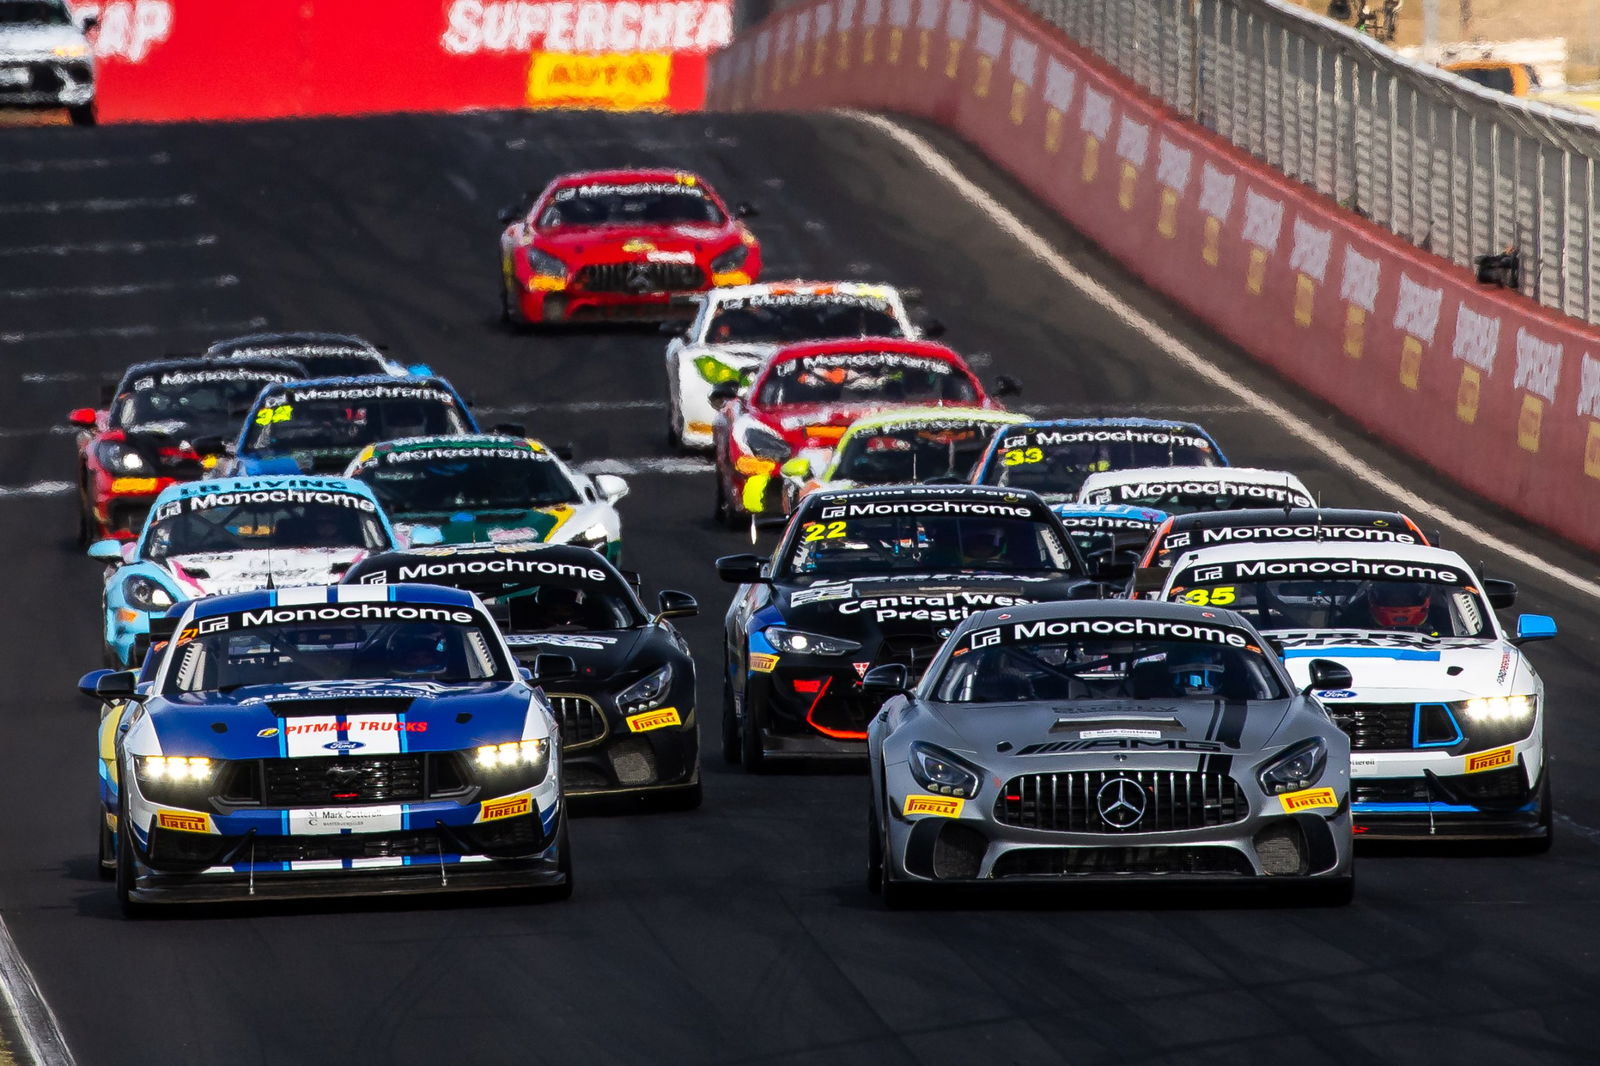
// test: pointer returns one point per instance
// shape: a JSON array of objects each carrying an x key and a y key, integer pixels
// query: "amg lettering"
[{"x": 1057, "y": 747}]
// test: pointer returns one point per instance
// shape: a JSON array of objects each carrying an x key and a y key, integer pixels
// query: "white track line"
[
  {"x": 40, "y": 1032},
  {"x": 222, "y": 281},
  {"x": 216, "y": 329},
  {"x": 38, "y": 166},
  {"x": 1041, "y": 249},
  {"x": 60, "y": 207},
  {"x": 37, "y": 488},
  {"x": 112, "y": 247}
]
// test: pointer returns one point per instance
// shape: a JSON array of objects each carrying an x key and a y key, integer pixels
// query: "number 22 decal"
[{"x": 823, "y": 531}]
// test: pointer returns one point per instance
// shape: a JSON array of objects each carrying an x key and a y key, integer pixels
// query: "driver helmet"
[
  {"x": 559, "y": 606},
  {"x": 1399, "y": 604},
  {"x": 1197, "y": 677},
  {"x": 981, "y": 542},
  {"x": 419, "y": 654}
]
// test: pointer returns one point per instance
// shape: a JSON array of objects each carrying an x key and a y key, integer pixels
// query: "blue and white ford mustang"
[
  {"x": 210, "y": 538},
  {"x": 365, "y": 739}
]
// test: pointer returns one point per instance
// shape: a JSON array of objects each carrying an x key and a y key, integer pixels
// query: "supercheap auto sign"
[{"x": 167, "y": 59}]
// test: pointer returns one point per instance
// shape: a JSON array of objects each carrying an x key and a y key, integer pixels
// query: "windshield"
[
  {"x": 1114, "y": 668},
  {"x": 208, "y": 402},
  {"x": 629, "y": 205},
  {"x": 797, "y": 318},
  {"x": 1341, "y": 600},
  {"x": 1034, "y": 462},
  {"x": 1188, "y": 497},
  {"x": 911, "y": 454},
  {"x": 33, "y": 12},
  {"x": 936, "y": 543},
  {"x": 460, "y": 648},
  {"x": 558, "y": 608},
  {"x": 339, "y": 364},
  {"x": 865, "y": 378},
  {"x": 351, "y": 423},
  {"x": 469, "y": 483},
  {"x": 233, "y": 522}
]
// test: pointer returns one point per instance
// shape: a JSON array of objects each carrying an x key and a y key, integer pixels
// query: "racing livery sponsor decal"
[
  {"x": 509, "y": 807},
  {"x": 583, "y": 641},
  {"x": 1336, "y": 694},
  {"x": 1151, "y": 628},
  {"x": 352, "y": 612},
  {"x": 1102, "y": 744},
  {"x": 332, "y": 820},
  {"x": 934, "y": 607},
  {"x": 270, "y": 731},
  {"x": 658, "y": 719},
  {"x": 184, "y": 821},
  {"x": 1128, "y": 734},
  {"x": 1111, "y": 522},
  {"x": 204, "y": 500},
  {"x": 1152, "y": 491},
  {"x": 1045, "y": 438},
  {"x": 961, "y": 507},
  {"x": 822, "y": 593},
  {"x": 1277, "y": 569},
  {"x": 491, "y": 567},
  {"x": 943, "y": 806},
  {"x": 359, "y": 392},
  {"x": 1490, "y": 760},
  {"x": 208, "y": 377},
  {"x": 1310, "y": 799},
  {"x": 357, "y": 725},
  {"x": 469, "y": 451},
  {"x": 1271, "y": 534},
  {"x": 763, "y": 664}
]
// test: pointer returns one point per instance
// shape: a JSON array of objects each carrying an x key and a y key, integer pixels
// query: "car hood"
[
  {"x": 557, "y": 523},
  {"x": 1403, "y": 666},
  {"x": 28, "y": 41},
  {"x": 332, "y": 460},
  {"x": 916, "y": 604},
  {"x": 598, "y": 654},
  {"x": 221, "y": 573},
  {"x": 792, "y": 419},
  {"x": 740, "y": 356},
  {"x": 628, "y": 243},
  {"x": 332, "y": 718}
]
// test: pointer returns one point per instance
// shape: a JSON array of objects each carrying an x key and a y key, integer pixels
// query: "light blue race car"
[
  {"x": 209, "y": 538},
  {"x": 1111, "y": 537}
]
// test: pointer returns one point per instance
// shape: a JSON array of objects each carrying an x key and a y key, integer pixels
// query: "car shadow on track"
[{"x": 1000, "y": 898}]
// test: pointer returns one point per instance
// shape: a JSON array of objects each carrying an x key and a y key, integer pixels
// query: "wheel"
[
  {"x": 751, "y": 753},
  {"x": 874, "y": 852},
  {"x": 557, "y": 893},
  {"x": 107, "y": 865},
  {"x": 85, "y": 528},
  {"x": 125, "y": 873},
  {"x": 83, "y": 116},
  {"x": 1547, "y": 822},
  {"x": 730, "y": 727},
  {"x": 723, "y": 512},
  {"x": 675, "y": 431},
  {"x": 505, "y": 304}
]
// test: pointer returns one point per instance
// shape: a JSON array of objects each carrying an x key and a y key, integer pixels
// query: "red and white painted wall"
[{"x": 1483, "y": 384}]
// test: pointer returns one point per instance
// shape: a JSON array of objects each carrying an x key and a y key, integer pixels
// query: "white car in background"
[
  {"x": 1186, "y": 489},
  {"x": 737, "y": 327},
  {"x": 45, "y": 58},
  {"x": 1444, "y": 712}
]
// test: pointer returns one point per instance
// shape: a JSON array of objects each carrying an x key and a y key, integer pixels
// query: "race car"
[
  {"x": 1053, "y": 457},
  {"x": 1185, "y": 489},
  {"x": 352, "y": 740},
  {"x": 1444, "y": 712},
  {"x": 1267, "y": 525},
  {"x": 209, "y": 538},
  {"x": 46, "y": 59},
  {"x": 805, "y": 395},
  {"x": 736, "y": 328},
  {"x": 1107, "y": 743},
  {"x": 491, "y": 488},
  {"x": 144, "y": 440},
  {"x": 1111, "y": 537},
  {"x": 865, "y": 577},
  {"x": 626, "y": 708},
  {"x": 324, "y": 355},
  {"x": 318, "y": 426},
  {"x": 898, "y": 447},
  {"x": 614, "y": 244}
]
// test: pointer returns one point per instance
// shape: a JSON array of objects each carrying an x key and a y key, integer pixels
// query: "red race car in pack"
[
  {"x": 806, "y": 395},
  {"x": 621, "y": 244}
]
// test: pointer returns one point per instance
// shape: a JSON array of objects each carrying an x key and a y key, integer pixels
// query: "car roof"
[
  {"x": 1273, "y": 516},
  {"x": 1132, "y": 512},
  {"x": 1316, "y": 549},
  {"x": 1245, "y": 475},
  {"x": 799, "y": 287},
  {"x": 927, "y": 492},
  {"x": 905, "y": 416},
  {"x": 468, "y": 442},
  {"x": 295, "y": 339},
  {"x": 213, "y": 362},
  {"x": 852, "y": 345},
  {"x": 1158, "y": 609},
  {"x": 1132, "y": 421},
  {"x": 365, "y": 380},
  {"x": 313, "y": 595},
  {"x": 632, "y": 176},
  {"x": 264, "y": 483}
]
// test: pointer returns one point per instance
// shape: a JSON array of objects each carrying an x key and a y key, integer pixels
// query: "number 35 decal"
[
  {"x": 1220, "y": 596},
  {"x": 823, "y": 530}
]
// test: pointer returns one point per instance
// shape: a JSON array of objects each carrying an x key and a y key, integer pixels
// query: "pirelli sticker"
[
  {"x": 510, "y": 807},
  {"x": 762, "y": 664},
  {"x": 943, "y": 806},
  {"x": 183, "y": 821},
  {"x": 661, "y": 719},
  {"x": 1492, "y": 759},
  {"x": 1310, "y": 799}
]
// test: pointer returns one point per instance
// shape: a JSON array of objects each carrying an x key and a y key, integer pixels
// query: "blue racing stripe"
[{"x": 1405, "y": 654}]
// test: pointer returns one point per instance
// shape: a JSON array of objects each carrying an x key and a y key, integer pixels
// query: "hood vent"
[{"x": 341, "y": 705}]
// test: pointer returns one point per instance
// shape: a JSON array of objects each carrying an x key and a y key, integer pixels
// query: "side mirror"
[
  {"x": 740, "y": 569},
  {"x": 524, "y": 673},
  {"x": 420, "y": 370},
  {"x": 89, "y": 683},
  {"x": 745, "y": 209},
  {"x": 106, "y": 551},
  {"x": 1325, "y": 673},
  {"x": 509, "y": 215},
  {"x": 509, "y": 429},
  {"x": 554, "y": 668},
  {"x": 798, "y": 467},
  {"x": 675, "y": 604},
  {"x": 890, "y": 679},
  {"x": 1006, "y": 385},
  {"x": 1501, "y": 593},
  {"x": 116, "y": 685},
  {"x": 1534, "y": 627},
  {"x": 612, "y": 487},
  {"x": 83, "y": 416},
  {"x": 723, "y": 391}
]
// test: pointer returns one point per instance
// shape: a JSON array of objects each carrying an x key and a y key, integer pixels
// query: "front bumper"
[
  {"x": 577, "y": 305},
  {"x": 46, "y": 83},
  {"x": 603, "y": 752},
  {"x": 803, "y": 712},
  {"x": 1417, "y": 796}
]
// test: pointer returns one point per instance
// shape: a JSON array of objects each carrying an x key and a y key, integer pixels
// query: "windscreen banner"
[{"x": 163, "y": 60}]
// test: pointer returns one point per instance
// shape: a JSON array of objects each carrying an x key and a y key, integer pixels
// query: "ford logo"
[
  {"x": 344, "y": 745},
  {"x": 1336, "y": 694}
]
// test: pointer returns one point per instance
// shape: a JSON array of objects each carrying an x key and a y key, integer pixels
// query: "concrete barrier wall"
[{"x": 1485, "y": 385}]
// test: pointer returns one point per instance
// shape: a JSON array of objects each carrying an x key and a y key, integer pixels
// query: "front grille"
[
  {"x": 1375, "y": 726},
  {"x": 580, "y": 719},
  {"x": 639, "y": 278},
  {"x": 1390, "y": 790},
  {"x": 1508, "y": 784},
  {"x": 1153, "y": 862},
  {"x": 1071, "y": 802},
  {"x": 317, "y": 781}
]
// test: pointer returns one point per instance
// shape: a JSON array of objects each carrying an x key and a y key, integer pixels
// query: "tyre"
[
  {"x": 107, "y": 865},
  {"x": 723, "y": 512},
  {"x": 563, "y": 891},
  {"x": 751, "y": 753},
  {"x": 874, "y": 852},
  {"x": 83, "y": 116},
  {"x": 730, "y": 727},
  {"x": 126, "y": 869},
  {"x": 1547, "y": 822}
]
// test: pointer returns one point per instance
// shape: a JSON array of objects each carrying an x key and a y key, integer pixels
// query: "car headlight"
[
  {"x": 799, "y": 642},
  {"x": 730, "y": 260},
  {"x": 1296, "y": 768},
  {"x": 647, "y": 692},
  {"x": 942, "y": 773},
  {"x": 71, "y": 51},
  {"x": 594, "y": 537},
  {"x": 181, "y": 780},
  {"x": 512, "y": 766},
  {"x": 763, "y": 443},
  {"x": 119, "y": 458},
  {"x": 545, "y": 265},
  {"x": 1494, "y": 710},
  {"x": 146, "y": 595},
  {"x": 715, "y": 371}
]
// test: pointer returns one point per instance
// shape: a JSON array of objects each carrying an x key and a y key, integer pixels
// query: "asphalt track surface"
[{"x": 741, "y": 932}]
